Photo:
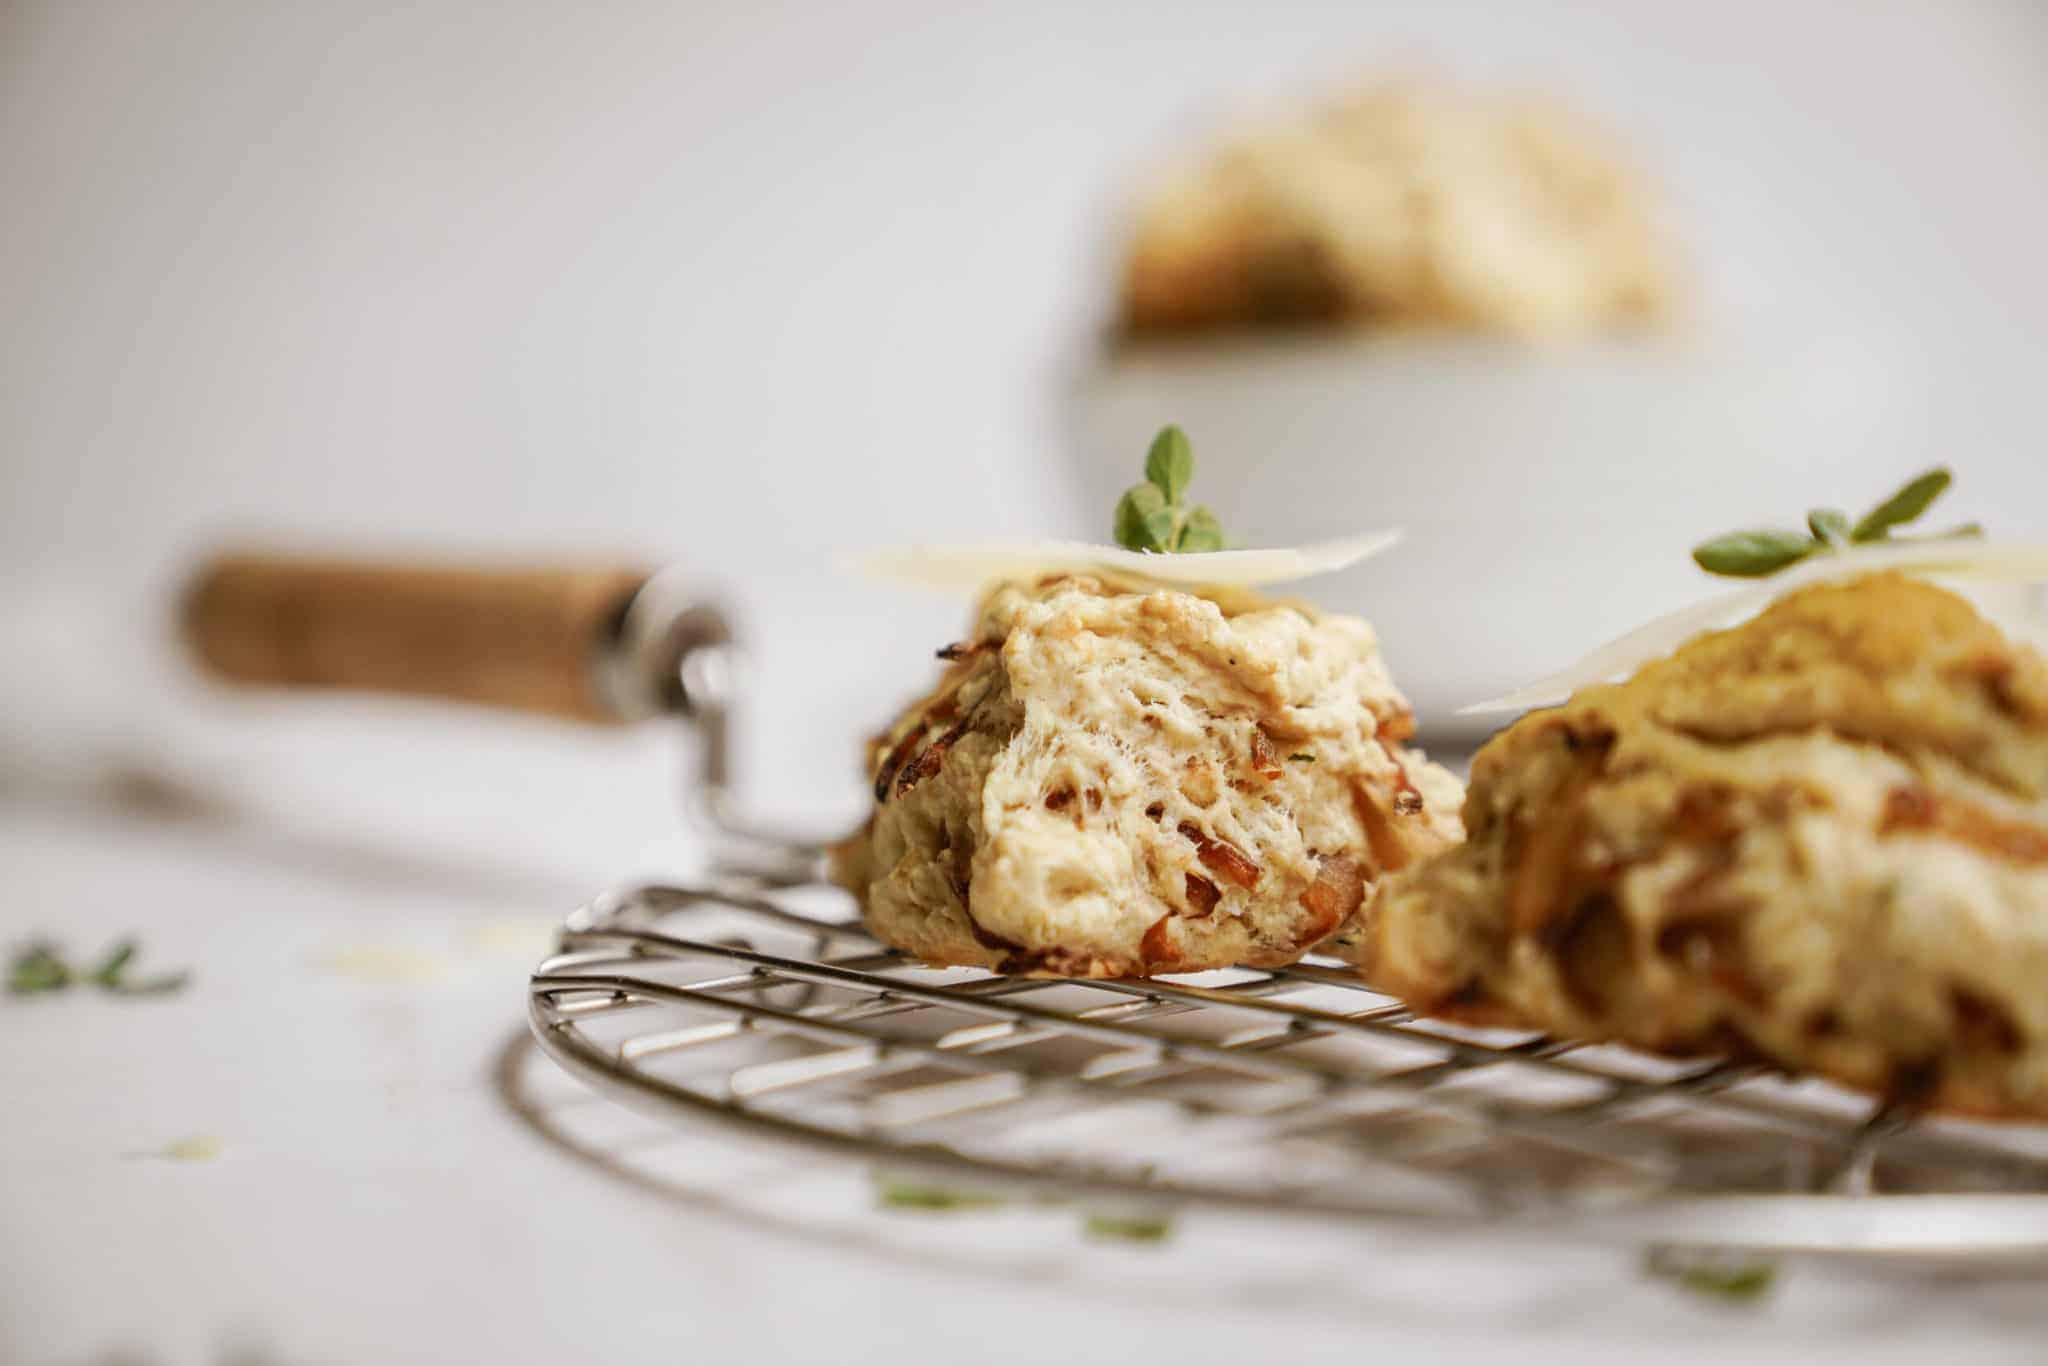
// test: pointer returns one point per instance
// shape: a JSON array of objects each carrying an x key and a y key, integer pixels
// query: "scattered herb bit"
[
  {"x": 1152, "y": 516},
  {"x": 37, "y": 967},
  {"x": 1302, "y": 758},
  {"x": 1740, "y": 1283},
  {"x": 895, "y": 1192},
  {"x": 1732, "y": 1277},
  {"x": 41, "y": 967},
  {"x": 1756, "y": 553},
  {"x": 1133, "y": 1228},
  {"x": 108, "y": 973},
  {"x": 112, "y": 974},
  {"x": 909, "y": 1193},
  {"x": 163, "y": 984}
]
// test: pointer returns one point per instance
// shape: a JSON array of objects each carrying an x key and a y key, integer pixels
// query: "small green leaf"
[
  {"x": 112, "y": 975},
  {"x": 1830, "y": 526},
  {"x": 1302, "y": 758},
  {"x": 1171, "y": 463},
  {"x": 37, "y": 968},
  {"x": 1903, "y": 506},
  {"x": 108, "y": 973},
  {"x": 1731, "y": 1276},
  {"x": 1752, "y": 554},
  {"x": 1201, "y": 532},
  {"x": 893, "y": 1192},
  {"x": 163, "y": 984},
  {"x": 1132, "y": 1228},
  {"x": 1738, "y": 1284},
  {"x": 1143, "y": 521}
]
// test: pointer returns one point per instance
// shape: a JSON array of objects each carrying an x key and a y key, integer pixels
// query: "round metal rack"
[{"x": 1293, "y": 1091}]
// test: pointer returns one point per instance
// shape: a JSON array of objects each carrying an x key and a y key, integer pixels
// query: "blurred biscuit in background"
[{"x": 1403, "y": 204}]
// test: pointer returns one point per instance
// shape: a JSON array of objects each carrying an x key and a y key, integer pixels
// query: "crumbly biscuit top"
[{"x": 1887, "y": 658}]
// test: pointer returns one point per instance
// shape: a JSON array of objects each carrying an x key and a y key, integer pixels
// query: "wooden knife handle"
[{"x": 531, "y": 640}]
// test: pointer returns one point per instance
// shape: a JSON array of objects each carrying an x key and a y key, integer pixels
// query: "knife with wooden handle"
[{"x": 594, "y": 644}]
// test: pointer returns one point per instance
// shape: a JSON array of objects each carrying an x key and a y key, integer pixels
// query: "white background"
[
  {"x": 739, "y": 286},
  {"x": 729, "y": 283}
]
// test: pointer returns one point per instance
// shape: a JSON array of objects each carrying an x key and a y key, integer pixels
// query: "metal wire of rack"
[{"x": 1291, "y": 1091}]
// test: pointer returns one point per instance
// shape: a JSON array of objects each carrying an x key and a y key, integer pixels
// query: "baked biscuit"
[
  {"x": 1819, "y": 838},
  {"x": 1116, "y": 779},
  {"x": 1402, "y": 205}
]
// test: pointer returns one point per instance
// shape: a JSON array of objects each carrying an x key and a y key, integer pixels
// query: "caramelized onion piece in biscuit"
[{"x": 1819, "y": 839}]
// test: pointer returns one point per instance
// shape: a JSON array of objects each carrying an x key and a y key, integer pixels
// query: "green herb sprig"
[
  {"x": 1153, "y": 516},
  {"x": 1755, "y": 554},
  {"x": 40, "y": 967}
]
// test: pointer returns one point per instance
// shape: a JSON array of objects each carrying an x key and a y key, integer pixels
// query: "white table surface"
[{"x": 360, "y": 902}]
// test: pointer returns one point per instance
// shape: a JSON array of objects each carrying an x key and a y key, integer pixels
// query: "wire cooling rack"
[{"x": 1291, "y": 1091}]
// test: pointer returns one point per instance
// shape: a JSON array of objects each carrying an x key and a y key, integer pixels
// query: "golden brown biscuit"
[
  {"x": 1402, "y": 205},
  {"x": 1820, "y": 838},
  {"x": 1113, "y": 778}
]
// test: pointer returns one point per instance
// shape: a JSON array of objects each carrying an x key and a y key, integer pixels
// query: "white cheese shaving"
[
  {"x": 1957, "y": 559},
  {"x": 198, "y": 1148},
  {"x": 970, "y": 568},
  {"x": 385, "y": 964}
]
